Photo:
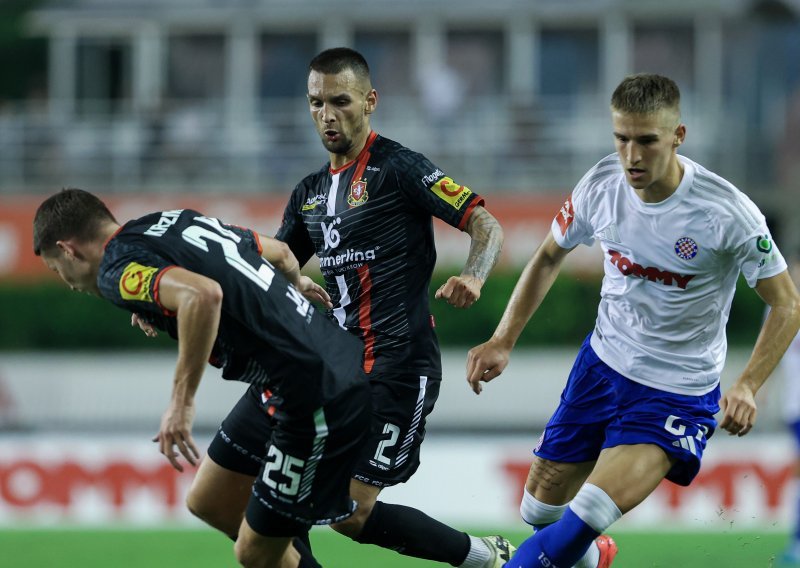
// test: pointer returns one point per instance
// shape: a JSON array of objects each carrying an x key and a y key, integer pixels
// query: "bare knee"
[
  {"x": 353, "y": 525},
  {"x": 257, "y": 553},
  {"x": 224, "y": 519}
]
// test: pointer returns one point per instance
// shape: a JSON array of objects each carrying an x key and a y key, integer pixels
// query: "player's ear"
[
  {"x": 371, "y": 102},
  {"x": 68, "y": 249},
  {"x": 679, "y": 135}
]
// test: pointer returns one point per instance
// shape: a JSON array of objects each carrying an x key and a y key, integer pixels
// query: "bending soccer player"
[
  {"x": 640, "y": 401},
  {"x": 367, "y": 215},
  {"x": 207, "y": 284}
]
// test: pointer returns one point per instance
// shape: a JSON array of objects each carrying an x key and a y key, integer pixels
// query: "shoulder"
[
  {"x": 395, "y": 154},
  {"x": 595, "y": 183},
  {"x": 730, "y": 207}
]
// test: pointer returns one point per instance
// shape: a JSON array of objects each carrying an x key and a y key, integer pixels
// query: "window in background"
[
  {"x": 389, "y": 56},
  {"x": 569, "y": 63},
  {"x": 196, "y": 66},
  {"x": 103, "y": 74},
  {"x": 477, "y": 57},
  {"x": 283, "y": 64},
  {"x": 666, "y": 49}
]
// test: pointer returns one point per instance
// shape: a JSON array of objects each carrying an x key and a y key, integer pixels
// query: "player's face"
[
  {"x": 77, "y": 274},
  {"x": 646, "y": 145},
  {"x": 340, "y": 105}
]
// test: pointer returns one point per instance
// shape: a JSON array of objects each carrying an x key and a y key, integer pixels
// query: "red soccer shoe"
[{"x": 608, "y": 550}]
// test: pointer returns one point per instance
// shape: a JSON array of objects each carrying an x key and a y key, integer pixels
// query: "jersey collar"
[{"x": 370, "y": 139}]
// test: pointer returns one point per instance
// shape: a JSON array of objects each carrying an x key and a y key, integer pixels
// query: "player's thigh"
[
  {"x": 401, "y": 404},
  {"x": 255, "y": 550},
  {"x": 242, "y": 438},
  {"x": 628, "y": 474},
  {"x": 218, "y": 493},
  {"x": 556, "y": 483}
]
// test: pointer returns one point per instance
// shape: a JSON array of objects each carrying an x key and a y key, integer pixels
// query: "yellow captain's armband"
[
  {"x": 451, "y": 192},
  {"x": 135, "y": 282}
]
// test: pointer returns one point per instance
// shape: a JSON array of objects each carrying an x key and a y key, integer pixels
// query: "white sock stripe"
[
  {"x": 534, "y": 512},
  {"x": 595, "y": 507}
]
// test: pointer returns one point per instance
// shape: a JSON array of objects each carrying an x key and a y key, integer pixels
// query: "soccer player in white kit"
[{"x": 640, "y": 401}]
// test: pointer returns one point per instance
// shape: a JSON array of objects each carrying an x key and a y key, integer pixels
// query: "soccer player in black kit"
[
  {"x": 367, "y": 215},
  {"x": 210, "y": 286}
]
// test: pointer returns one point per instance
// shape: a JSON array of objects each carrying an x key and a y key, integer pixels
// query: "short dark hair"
[
  {"x": 646, "y": 93},
  {"x": 70, "y": 213},
  {"x": 337, "y": 59}
]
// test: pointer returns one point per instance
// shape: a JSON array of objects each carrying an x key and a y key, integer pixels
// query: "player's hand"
[
  {"x": 313, "y": 291},
  {"x": 460, "y": 291},
  {"x": 147, "y": 327},
  {"x": 485, "y": 363},
  {"x": 175, "y": 436},
  {"x": 739, "y": 410}
]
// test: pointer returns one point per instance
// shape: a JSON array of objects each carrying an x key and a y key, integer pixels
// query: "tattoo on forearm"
[{"x": 487, "y": 240}]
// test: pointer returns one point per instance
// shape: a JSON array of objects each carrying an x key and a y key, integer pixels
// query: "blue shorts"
[
  {"x": 795, "y": 428},
  {"x": 602, "y": 409}
]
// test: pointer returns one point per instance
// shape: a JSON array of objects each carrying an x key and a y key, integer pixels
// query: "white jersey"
[{"x": 670, "y": 271}]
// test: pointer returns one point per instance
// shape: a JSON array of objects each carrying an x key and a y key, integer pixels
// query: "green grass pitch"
[{"x": 53, "y": 548}]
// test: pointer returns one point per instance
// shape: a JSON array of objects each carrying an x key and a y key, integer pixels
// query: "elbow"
[
  {"x": 282, "y": 254},
  {"x": 209, "y": 295}
]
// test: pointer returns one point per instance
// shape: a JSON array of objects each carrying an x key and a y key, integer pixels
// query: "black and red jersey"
[
  {"x": 370, "y": 223},
  {"x": 269, "y": 335}
]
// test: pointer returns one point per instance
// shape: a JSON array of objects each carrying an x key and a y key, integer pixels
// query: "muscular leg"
[
  {"x": 218, "y": 496},
  {"x": 556, "y": 483},
  {"x": 621, "y": 479},
  {"x": 256, "y": 551},
  {"x": 404, "y": 529}
]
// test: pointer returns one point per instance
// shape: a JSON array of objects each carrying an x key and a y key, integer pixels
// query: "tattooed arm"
[{"x": 487, "y": 240}]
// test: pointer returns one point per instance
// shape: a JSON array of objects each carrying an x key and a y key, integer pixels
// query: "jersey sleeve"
[
  {"x": 747, "y": 237},
  {"x": 758, "y": 256},
  {"x": 293, "y": 231},
  {"x": 131, "y": 281},
  {"x": 570, "y": 226},
  {"x": 426, "y": 186}
]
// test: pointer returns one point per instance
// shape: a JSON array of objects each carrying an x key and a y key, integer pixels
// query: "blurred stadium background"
[{"x": 164, "y": 103}]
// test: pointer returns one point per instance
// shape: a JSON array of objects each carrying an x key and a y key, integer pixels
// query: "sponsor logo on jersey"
[
  {"x": 350, "y": 256},
  {"x": 629, "y": 268},
  {"x": 432, "y": 177},
  {"x": 135, "y": 282},
  {"x": 358, "y": 193},
  {"x": 686, "y": 248},
  {"x": 565, "y": 216},
  {"x": 764, "y": 243},
  {"x": 330, "y": 234},
  {"x": 451, "y": 192},
  {"x": 168, "y": 218},
  {"x": 313, "y": 201}
]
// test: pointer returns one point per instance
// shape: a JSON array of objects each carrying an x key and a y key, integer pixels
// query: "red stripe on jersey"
[
  {"x": 108, "y": 240},
  {"x": 258, "y": 241},
  {"x": 364, "y": 317},
  {"x": 155, "y": 291},
  {"x": 468, "y": 213},
  {"x": 370, "y": 139}
]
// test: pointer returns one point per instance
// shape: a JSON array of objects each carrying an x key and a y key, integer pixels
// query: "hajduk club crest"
[{"x": 358, "y": 193}]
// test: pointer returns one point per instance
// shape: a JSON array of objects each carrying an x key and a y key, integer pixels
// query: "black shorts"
[
  {"x": 306, "y": 463},
  {"x": 400, "y": 405}
]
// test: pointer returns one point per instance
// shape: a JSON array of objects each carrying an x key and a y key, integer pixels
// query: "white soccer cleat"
[{"x": 502, "y": 550}]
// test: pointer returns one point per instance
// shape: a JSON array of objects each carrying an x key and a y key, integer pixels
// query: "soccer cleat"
[
  {"x": 502, "y": 550},
  {"x": 608, "y": 550}
]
